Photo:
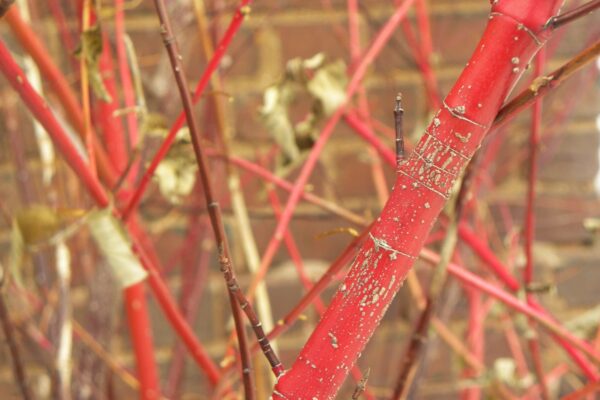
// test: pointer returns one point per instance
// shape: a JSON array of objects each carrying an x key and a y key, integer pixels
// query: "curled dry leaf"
[
  {"x": 176, "y": 173},
  {"x": 324, "y": 84}
]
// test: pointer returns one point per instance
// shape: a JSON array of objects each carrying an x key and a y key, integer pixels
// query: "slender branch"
[
  {"x": 225, "y": 259},
  {"x": 571, "y": 15},
  {"x": 85, "y": 88},
  {"x": 543, "y": 84},
  {"x": 88, "y": 340},
  {"x": 247, "y": 378},
  {"x": 238, "y": 202},
  {"x": 211, "y": 67},
  {"x": 361, "y": 386},
  {"x": 399, "y": 128},
  {"x": 511, "y": 301}
]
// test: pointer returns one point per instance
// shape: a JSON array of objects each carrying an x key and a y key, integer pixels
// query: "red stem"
[
  {"x": 475, "y": 337},
  {"x": 421, "y": 190},
  {"x": 124, "y": 73},
  {"x": 138, "y": 321},
  {"x": 42, "y": 113},
  {"x": 111, "y": 126}
]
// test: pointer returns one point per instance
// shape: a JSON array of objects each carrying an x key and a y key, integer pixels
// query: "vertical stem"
[
  {"x": 126, "y": 83},
  {"x": 399, "y": 128},
  {"x": 225, "y": 260},
  {"x": 85, "y": 89},
  {"x": 212, "y": 66},
  {"x": 138, "y": 321},
  {"x": 238, "y": 202},
  {"x": 247, "y": 377}
]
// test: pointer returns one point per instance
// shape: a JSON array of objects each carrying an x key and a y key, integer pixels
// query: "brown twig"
[
  {"x": 399, "y": 128},
  {"x": 247, "y": 378},
  {"x": 569, "y": 16},
  {"x": 543, "y": 84},
  {"x": 212, "y": 203},
  {"x": 361, "y": 386}
]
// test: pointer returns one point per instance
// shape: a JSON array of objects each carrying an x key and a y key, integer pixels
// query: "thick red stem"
[{"x": 423, "y": 185}]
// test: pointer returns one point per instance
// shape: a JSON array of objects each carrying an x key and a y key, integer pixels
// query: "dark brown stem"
[
  {"x": 399, "y": 127},
  {"x": 213, "y": 205},
  {"x": 361, "y": 386},
  {"x": 247, "y": 378},
  {"x": 576, "y": 13},
  {"x": 7, "y": 327},
  {"x": 4, "y": 6},
  {"x": 543, "y": 84}
]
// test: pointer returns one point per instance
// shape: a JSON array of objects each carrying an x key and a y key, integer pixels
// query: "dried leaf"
[
  {"x": 34, "y": 226},
  {"x": 323, "y": 83},
  {"x": 37, "y": 223},
  {"x": 276, "y": 119},
  {"x": 90, "y": 49},
  {"x": 176, "y": 174},
  {"x": 116, "y": 248},
  {"x": 328, "y": 85}
]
